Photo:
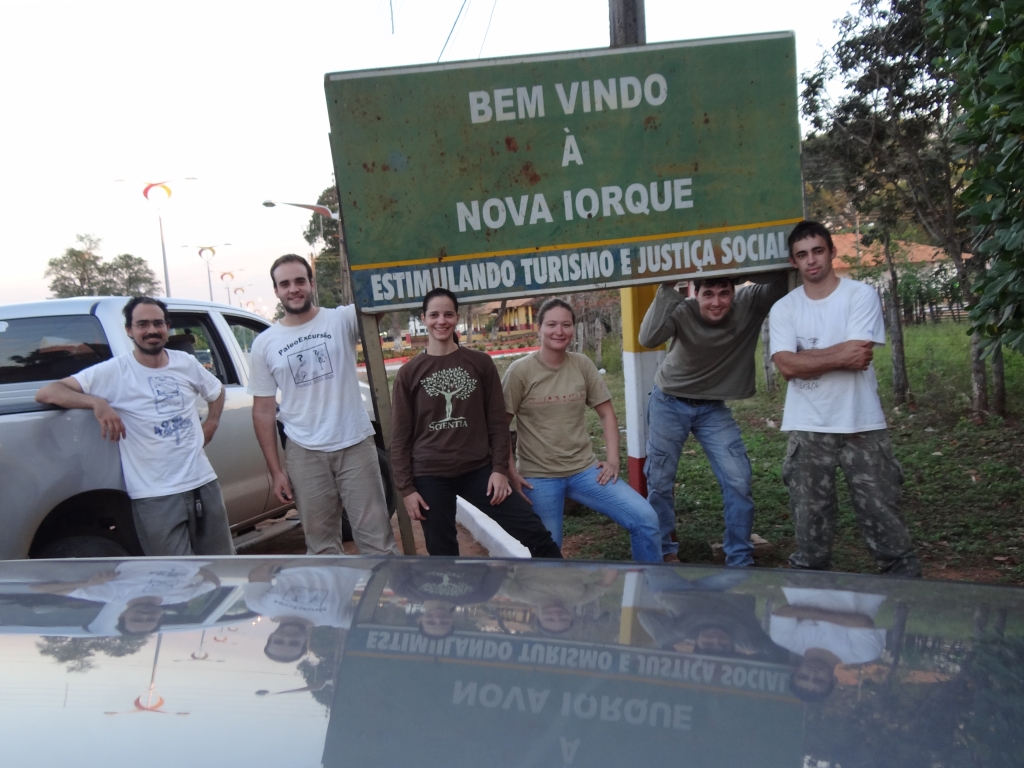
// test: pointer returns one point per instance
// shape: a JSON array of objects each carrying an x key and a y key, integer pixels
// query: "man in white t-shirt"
[
  {"x": 300, "y": 598},
  {"x": 146, "y": 402},
  {"x": 822, "y": 339},
  {"x": 136, "y": 592},
  {"x": 310, "y": 356},
  {"x": 826, "y": 628}
]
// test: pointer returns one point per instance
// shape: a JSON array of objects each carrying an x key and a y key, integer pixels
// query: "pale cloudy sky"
[{"x": 232, "y": 93}]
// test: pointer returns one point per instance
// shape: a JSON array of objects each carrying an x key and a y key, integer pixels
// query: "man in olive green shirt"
[{"x": 710, "y": 360}]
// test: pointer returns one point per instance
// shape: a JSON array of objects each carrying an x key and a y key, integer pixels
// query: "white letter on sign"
[
  {"x": 530, "y": 103},
  {"x": 571, "y": 152},
  {"x": 504, "y": 105},
  {"x": 468, "y": 215},
  {"x": 479, "y": 106}
]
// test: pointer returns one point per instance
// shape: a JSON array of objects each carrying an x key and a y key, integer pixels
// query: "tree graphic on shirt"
[{"x": 451, "y": 383}]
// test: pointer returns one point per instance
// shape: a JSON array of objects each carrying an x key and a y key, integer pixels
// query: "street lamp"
[
  {"x": 327, "y": 213},
  {"x": 206, "y": 253},
  {"x": 160, "y": 192}
]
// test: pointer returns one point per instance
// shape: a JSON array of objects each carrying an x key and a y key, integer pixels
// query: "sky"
[
  {"x": 231, "y": 93},
  {"x": 218, "y": 694}
]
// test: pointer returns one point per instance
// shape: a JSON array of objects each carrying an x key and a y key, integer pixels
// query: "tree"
[
  {"x": 450, "y": 383},
  {"x": 985, "y": 60},
  {"x": 128, "y": 275},
  {"x": 329, "y": 275},
  {"x": 78, "y": 652},
  {"x": 77, "y": 272},
  {"x": 890, "y": 135},
  {"x": 82, "y": 272}
]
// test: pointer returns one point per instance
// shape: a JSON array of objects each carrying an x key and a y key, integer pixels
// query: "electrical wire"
[
  {"x": 489, "y": 18},
  {"x": 461, "y": 7}
]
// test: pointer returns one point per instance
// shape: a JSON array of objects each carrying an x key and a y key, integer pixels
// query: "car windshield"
[{"x": 358, "y": 661}]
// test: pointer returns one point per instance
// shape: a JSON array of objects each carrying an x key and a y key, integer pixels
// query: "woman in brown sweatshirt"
[{"x": 450, "y": 438}]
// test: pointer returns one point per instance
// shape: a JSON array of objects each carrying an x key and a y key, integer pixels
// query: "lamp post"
[
  {"x": 327, "y": 213},
  {"x": 206, "y": 253},
  {"x": 157, "y": 192}
]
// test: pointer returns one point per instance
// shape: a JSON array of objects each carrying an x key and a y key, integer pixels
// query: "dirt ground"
[{"x": 293, "y": 543}]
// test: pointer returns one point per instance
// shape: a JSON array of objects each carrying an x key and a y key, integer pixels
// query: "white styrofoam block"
[{"x": 488, "y": 533}]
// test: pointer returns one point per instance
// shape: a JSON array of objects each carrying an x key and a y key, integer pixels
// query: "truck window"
[
  {"x": 193, "y": 333},
  {"x": 48, "y": 348},
  {"x": 245, "y": 329}
]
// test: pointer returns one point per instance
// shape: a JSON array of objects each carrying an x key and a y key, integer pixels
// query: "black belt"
[{"x": 697, "y": 403}]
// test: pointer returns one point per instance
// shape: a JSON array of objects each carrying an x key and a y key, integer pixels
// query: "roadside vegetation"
[{"x": 964, "y": 490}]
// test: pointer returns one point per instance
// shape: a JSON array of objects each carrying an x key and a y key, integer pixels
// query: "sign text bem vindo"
[{"x": 567, "y": 172}]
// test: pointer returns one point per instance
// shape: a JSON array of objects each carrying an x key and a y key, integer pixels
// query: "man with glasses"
[{"x": 145, "y": 401}]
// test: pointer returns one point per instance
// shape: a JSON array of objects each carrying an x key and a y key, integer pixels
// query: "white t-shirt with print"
[
  {"x": 314, "y": 366},
  {"x": 321, "y": 594},
  {"x": 173, "y": 581},
  {"x": 162, "y": 450},
  {"x": 842, "y": 401}
]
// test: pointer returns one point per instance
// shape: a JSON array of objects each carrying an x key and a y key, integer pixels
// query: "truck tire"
[
  {"x": 389, "y": 494},
  {"x": 82, "y": 546}
]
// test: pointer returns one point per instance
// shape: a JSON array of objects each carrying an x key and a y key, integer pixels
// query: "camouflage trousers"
[{"x": 874, "y": 478}]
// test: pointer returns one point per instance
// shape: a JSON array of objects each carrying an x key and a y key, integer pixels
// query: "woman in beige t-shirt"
[{"x": 548, "y": 392}]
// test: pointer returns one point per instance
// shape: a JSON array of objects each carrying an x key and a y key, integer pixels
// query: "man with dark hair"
[
  {"x": 146, "y": 402},
  {"x": 710, "y": 360},
  {"x": 298, "y": 598},
  {"x": 823, "y": 336},
  {"x": 309, "y": 355}
]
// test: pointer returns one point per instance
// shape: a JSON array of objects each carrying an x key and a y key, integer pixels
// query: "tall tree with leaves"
[
  {"x": 889, "y": 135},
  {"x": 81, "y": 271},
  {"x": 331, "y": 279},
  {"x": 78, "y": 271},
  {"x": 985, "y": 56},
  {"x": 128, "y": 275}
]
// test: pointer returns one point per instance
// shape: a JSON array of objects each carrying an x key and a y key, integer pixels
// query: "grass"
[{"x": 964, "y": 478}]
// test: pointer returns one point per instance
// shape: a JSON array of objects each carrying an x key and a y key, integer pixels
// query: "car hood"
[{"x": 358, "y": 661}]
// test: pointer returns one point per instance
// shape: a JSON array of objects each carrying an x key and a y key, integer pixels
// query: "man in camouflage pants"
[{"x": 822, "y": 339}]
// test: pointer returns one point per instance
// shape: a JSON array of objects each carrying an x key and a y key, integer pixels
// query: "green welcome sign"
[{"x": 567, "y": 172}]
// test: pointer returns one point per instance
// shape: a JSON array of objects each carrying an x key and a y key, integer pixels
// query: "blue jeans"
[
  {"x": 615, "y": 500},
  {"x": 669, "y": 423}
]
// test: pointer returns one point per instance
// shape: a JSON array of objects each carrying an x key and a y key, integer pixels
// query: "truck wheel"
[
  {"x": 82, "y": 546},
  {"x": 389, "y": 494}
]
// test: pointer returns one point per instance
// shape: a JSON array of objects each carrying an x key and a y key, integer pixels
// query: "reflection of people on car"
[
  {"x": 554, "y": 593},
  {"x": 826, "y": 628},
  {"x": 298, "y": 599},
  {"x": 136, "y": 592},
  {"x": 441, "y": 588},
  {"x": 703, "y": 616}
]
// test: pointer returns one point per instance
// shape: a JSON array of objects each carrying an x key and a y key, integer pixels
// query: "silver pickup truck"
[{"x": 62, "y": 489}]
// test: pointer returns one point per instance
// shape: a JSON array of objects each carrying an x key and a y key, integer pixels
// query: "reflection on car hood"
[{"x": 449, "y": 662}]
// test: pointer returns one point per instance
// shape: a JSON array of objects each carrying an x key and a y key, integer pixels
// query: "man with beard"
[
  {"x": 146, "y": 402},
  {"x": 710, "y": 360},
  {"x": 310, "y": 356}
]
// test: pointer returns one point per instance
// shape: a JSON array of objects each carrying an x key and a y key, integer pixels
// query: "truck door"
[{"x": 234, "y": 453}]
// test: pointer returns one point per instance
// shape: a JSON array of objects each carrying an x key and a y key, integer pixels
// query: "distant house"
[
  {"x": 848, "y": 250},
  {"x": 518, "y": 314}
]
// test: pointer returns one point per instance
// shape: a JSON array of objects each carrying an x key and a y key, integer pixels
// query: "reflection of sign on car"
[{"x": 531, "y": 699}]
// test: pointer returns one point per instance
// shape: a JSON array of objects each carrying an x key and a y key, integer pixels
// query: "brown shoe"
[{"x": 671, "y": 557}]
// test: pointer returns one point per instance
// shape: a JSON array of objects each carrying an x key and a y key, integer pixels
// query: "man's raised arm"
[
  {"x": 68, "y": 393},
  {"x": 658, "y": 327}
]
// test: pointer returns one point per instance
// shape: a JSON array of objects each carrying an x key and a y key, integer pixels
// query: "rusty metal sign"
[{"x": 567, "y": 172}]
